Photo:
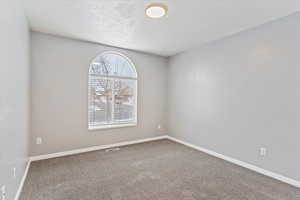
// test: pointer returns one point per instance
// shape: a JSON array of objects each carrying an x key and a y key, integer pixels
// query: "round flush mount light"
[{"x": 156, "y": 10}]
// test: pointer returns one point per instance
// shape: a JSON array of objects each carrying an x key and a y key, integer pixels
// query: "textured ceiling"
[{"x": 123, "y": 23}]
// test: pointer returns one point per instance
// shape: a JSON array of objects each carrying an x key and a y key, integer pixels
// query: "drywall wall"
[
  {"x": 14, "y": 94},
  {"x": 241, "y": 93},
  {"x": 59, "y": 95}
]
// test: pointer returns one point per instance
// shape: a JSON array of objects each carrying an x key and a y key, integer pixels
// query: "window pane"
[
  {"x": 100, "y": 101},
  {"x": 124, "y": 104},
  {"x": 112, "y": 91}
]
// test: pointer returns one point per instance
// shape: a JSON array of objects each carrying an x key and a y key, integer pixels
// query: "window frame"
[{"x": 133, "y": 123}]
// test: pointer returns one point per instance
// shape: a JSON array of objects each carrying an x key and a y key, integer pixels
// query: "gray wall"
[
  {"x": 59, "y": 95},
  {"x": 241, "y": 93},
  {"x": 14, "y": 94}
]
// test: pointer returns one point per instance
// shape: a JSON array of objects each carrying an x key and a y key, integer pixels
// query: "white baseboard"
[
  {"x": 240, "y": 163},
  {"x": 22, "y": 180},
  {"x": 94, "y": 148}
]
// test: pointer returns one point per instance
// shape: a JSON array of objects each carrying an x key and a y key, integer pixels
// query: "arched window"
[{"x": 112, "y": 92}]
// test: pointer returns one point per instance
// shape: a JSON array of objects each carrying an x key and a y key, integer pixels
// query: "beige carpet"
[{"x": 161, "y": 170}]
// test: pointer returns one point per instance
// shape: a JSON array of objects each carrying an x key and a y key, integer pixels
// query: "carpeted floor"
[{"x": 160, "y": 170}]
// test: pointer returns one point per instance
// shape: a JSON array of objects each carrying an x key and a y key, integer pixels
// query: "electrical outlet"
[
  {"x": 15, "y": 172},
  {"x": 263, "y": 151},
  {"x": 3, "y": 192},
  {"x": 39, "y": 140}
]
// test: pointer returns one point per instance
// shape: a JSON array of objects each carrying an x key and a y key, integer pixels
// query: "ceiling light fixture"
[{"x": 156, "y": 10}]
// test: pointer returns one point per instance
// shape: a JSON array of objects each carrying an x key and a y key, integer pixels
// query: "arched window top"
[{"x": 112, "y": 64}]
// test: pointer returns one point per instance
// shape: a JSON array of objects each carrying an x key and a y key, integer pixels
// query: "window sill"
[{"x": 111, "y": 126}]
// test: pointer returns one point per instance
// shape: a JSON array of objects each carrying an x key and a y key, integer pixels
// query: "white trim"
[
  {"x": 110, "y": 126},
  {"x": 240, "y": 163},
  {"x": 22, "y": 180},
  {"x": 111, "y": 77},
  {"x": 94, "y": 148}
]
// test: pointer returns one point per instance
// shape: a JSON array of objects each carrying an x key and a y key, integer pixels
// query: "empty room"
[{"x": 149, "y": 100}]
